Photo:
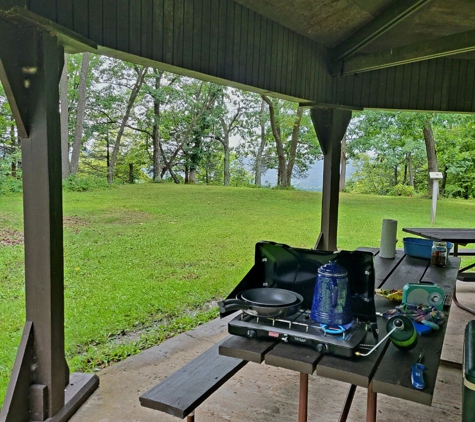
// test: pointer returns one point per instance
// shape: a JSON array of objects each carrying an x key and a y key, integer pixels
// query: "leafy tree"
[
  {"x": 455, "y": 141},
  {"x": 296, "y": 145},
  {"x": 390, "y": 142},
  {"x": 10, "y": 155}
]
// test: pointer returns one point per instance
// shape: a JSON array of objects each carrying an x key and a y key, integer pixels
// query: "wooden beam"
[
  {"x": 444, "y": 46},
  {"x": 16, "y": 67},
  {"x": 16, "y": 401},
  {"x": 330, "y": 126},
  {"x": 386, "y": 20},
  {"x": 309, "y": 104},
  {"x": 43, "y": 226}
]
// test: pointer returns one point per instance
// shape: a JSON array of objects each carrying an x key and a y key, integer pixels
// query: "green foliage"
[
  {"x": 10, "y": 183},
  {"x": 402, "y": 190},
  {"x": 84, "y": 183},
  {"x": 394, "y": 142},
  {"x": 369, "y": 177}
]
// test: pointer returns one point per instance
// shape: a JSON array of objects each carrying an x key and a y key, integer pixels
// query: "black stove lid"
[{"x": 282, "y": 266}]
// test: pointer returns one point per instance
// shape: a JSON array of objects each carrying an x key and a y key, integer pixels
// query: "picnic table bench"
[{"x": 184, "y": 390}]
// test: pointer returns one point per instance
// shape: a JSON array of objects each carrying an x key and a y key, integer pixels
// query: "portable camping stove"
[{"x": 300, "y": 329}]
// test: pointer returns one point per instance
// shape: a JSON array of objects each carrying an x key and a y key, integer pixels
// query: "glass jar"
[{"x": 439, "y": 254}]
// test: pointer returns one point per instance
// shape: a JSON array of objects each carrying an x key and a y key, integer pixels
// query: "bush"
[
  {"x": 402, "y": 190},
  {"x": 84, "y": 183},
  {"x": 10, "y": 184}
]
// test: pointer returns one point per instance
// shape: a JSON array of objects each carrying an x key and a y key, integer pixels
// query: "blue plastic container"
[{"x": 420, "y": 248}]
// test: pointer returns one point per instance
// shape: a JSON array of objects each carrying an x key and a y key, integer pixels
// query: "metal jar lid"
[{"x": 332, "y": 269}]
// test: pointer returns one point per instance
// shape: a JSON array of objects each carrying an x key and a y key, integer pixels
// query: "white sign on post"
[{"x": 435, "y": 176}]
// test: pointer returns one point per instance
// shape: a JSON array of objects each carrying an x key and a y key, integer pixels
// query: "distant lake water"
[{"x": 313, "y": 181}]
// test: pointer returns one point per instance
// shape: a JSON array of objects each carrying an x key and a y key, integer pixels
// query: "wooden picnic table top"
[
  {"x": 458, "y": 236},
  {"x": 388, "y": 368}
]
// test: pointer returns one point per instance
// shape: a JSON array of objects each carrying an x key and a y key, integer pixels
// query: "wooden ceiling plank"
[
  {"x": 390, "y": 17},
  {"x": 70, "y": 40},
  {"x": 444, "y": 46}
]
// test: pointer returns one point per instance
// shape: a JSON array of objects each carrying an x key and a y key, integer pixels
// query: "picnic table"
[
  {"x": 457, "y": 236},
  {"x": 388, "y": 369}
]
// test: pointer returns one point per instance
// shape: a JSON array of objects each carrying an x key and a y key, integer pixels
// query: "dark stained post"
[
  {"x": 38, "y": 61},
  {"x": 43, "y": 219},
  {"x": 330, "y": 126},
  {"x": 40, "y": 388}
]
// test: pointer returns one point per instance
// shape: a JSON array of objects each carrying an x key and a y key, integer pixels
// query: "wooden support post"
[
  {"x": 330, "y": 126},
  {"x": 31, "y": 62},
  {"x": 303, "y": 397},
  {"x": 371, "y": 404}
]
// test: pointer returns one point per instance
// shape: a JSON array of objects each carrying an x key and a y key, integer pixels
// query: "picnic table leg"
[
  {"x": 303, "y": 397},
  {"x": 371, "y": 404},
  {"x": 348, "y": 401}
]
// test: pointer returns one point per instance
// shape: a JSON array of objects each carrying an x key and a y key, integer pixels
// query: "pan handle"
[{"x": 233, "y": 305}]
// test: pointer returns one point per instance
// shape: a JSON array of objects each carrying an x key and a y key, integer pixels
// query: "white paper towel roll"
[{"x": 387, "y": 247}]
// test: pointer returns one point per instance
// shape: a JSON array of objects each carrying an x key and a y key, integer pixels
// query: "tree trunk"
[
  {"x": 410, "y": 170},
  {"x": 156, "y": 128},
  {"x": 131, "y": 173},
  {"x": 431, "y": 153},
  {"x": 187, "y": 174},
  {"x": 80, "y": 114},
  {"x": 14, "y": 142},
  {"x": 133, "y": 95},
  {"x": 343, "y": 164},
  {"x": 63, "y": 98},
  {"x": 167, "y": 166},
  {"x": 293, "y": 147},
  {"x": 281, "y": 171},
  {"x": 260, "y": 150},
  {"x": 192, "y": 176},
  {"x": 108, "y": 154},
  {"x": 227, "y": 172}
]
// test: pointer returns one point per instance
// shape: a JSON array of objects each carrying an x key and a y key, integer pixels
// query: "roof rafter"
[
  {"x": 444, "y": 46},
  {"x": 390, "y": 17}
]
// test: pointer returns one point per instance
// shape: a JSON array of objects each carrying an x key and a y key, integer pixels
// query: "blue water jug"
[{"x": 331, "y": 300}]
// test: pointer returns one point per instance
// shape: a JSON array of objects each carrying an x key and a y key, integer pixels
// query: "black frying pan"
[
  {"x": 267, "y": 296},
  {"x": 266, "y": 301}
]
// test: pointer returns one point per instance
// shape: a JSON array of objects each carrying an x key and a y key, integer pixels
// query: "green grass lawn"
[{"x": 144, "y": 262}]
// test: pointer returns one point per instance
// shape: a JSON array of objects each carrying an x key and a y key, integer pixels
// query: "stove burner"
[
  {"x": 332, "y": 330},
  {"x": 339, "y": 329}
]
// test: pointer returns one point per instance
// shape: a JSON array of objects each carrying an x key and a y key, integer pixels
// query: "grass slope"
[{"x": 144, "y": 262}]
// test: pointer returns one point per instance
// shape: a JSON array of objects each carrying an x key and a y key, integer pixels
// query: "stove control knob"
[
  {"x": 285, "y": 338},
  {"x": 322, "y": 348},
  {"x": 251, "y": 333}
]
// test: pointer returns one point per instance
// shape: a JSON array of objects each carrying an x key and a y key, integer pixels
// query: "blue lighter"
[{"x": 417, "y": 373}]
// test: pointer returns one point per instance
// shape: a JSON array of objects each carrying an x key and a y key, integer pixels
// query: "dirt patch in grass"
[
  {"x": 129, "y": 336},
  {"x": 74, "y": 223},
  {"x": 10, "y": 237}
]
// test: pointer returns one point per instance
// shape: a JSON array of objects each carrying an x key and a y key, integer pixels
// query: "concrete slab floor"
[{"x": 262, "y": 393}]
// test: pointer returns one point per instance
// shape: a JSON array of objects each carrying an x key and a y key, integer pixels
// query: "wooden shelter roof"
[{"x": 354, "y": 54}]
